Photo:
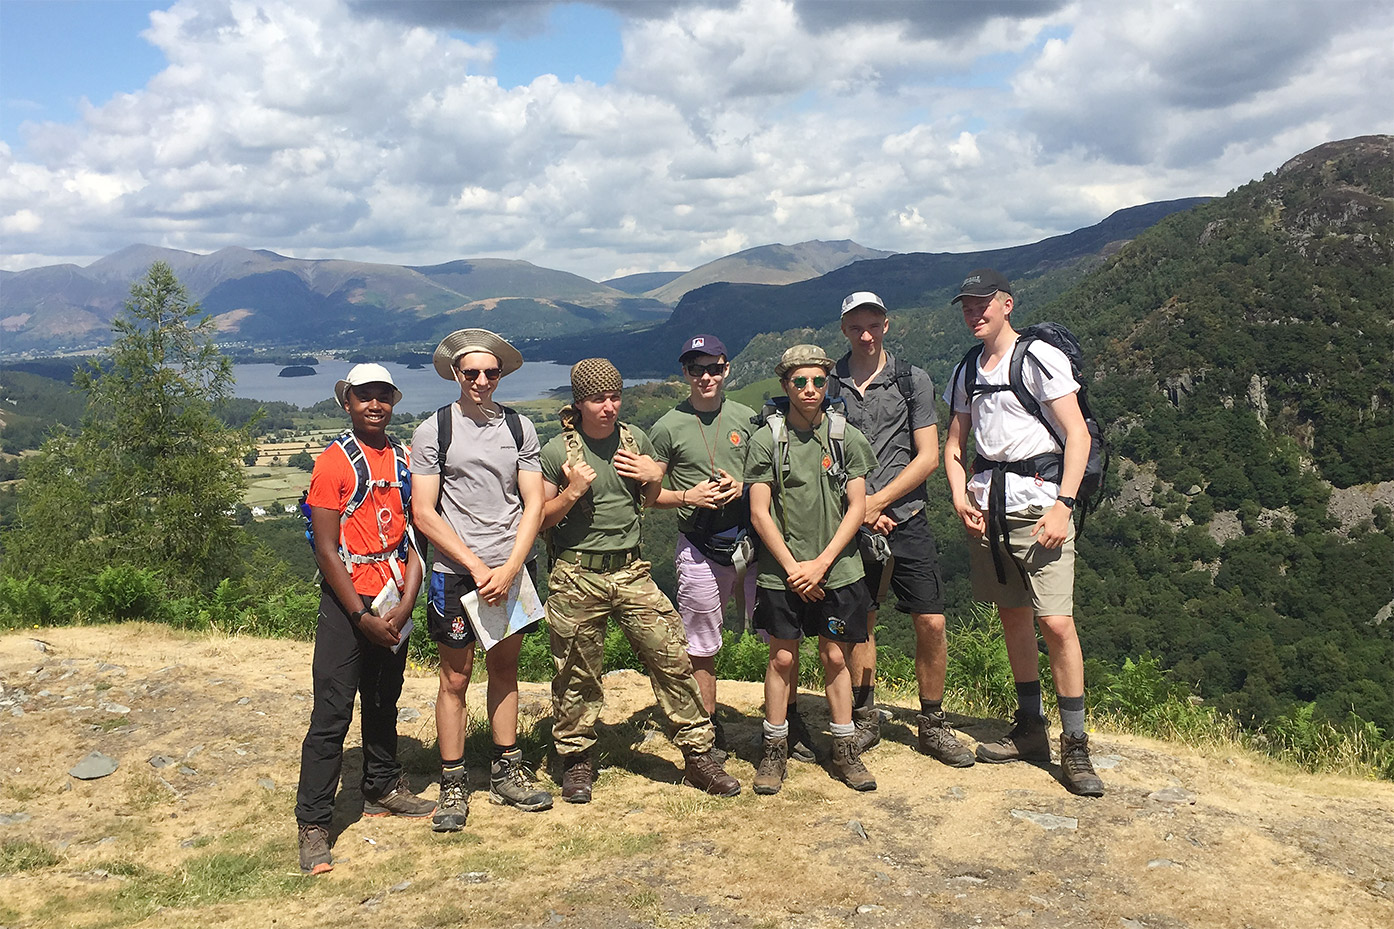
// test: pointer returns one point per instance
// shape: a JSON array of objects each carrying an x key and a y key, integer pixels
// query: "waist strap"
[
  {"x": 1042, "y": 467},
  {"x": 598, "y": 561}
]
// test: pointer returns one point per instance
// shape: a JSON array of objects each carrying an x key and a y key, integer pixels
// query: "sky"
[{"x": 619, "y": 136}]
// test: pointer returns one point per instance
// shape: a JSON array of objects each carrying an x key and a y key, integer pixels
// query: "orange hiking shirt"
[{"x": 379, "y": 517}]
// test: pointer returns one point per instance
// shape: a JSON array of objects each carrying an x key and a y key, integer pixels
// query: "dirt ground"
[{"x": 208, "y": 837}]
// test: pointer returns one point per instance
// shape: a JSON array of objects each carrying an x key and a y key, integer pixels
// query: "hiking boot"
[
  {"x": 937, "y": 740},
  {"x": 847, "y": 764},
  {"x": 454, "y": 806},
  {"x": 399, "y": 801},
  {"x": 314, "y": 849},
  {"x": 1026, "y": 742},
  {"x": 510, "y": 785},
  {"x": 706, "y": 774},
  {"x": 1077, "y": 769},
  {"x": 800, "y": 742},
  {"x": 769, "y": 776},
  {"x": 868, "y": 723},
  {"x": 577, "y": 777}
]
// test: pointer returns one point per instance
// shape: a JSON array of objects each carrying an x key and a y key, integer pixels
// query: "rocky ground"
[{"x": 194, "y": 825}]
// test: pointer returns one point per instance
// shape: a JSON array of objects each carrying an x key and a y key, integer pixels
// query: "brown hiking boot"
[
  {"x": 577, "y": 777},
  {"x": 706, "y": 774},
  {"x": 454, "y": 806},
  {"x": 800, "y": 741},
  {"x": 510, "y": 785},
  {"x": 1026, "y": 742},
  {"x": 399, "y": 801},
  {"x": 1076, "y": 768},
  {"x": 868, "y": 723},
  {"x": 314, "y": 849},
  {"x": 769, "y": 776},
  {"x": 847, "y": 764},
  {"x": 937, "y": 740}
]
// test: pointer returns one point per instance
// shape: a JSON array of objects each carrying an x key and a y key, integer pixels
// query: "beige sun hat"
[
  {"x": 802, "y": 356},
  {"x": 463, "y": 341},
  {"x": 368, "y": 373}
]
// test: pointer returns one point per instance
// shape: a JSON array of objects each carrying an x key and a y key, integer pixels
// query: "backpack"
[
  {"x": 1050, "y": 466},
  {"x": 900, "y": 373},
  {"x": 575, "y": 454},
  {"x": 445, "y": 425},
  {"x": 363, "y": 483},
  {"x": 774, "y": 414}
]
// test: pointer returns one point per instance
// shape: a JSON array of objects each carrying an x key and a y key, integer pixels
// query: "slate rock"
[
  {"x": 408, "y": 713},
  {"x": 95, "y": 765},
  {"x": 266, "y": 783},
  {"x": 1174, "y": 795},
  {"x": 161, "y": 761},
  {"x": 186, "y": 770},
  {"x": 473, "y": 877},
  {"x": 1107, "y": 762},
  {"x": 244, "y": 701},
  {"x": 1047, "y": 821},
  {"x": 13, "y": 819},
  {"x": 870, "y": 909},
  {"x": 1161, "y": 863},
  {"x": 855, "y": 827}
]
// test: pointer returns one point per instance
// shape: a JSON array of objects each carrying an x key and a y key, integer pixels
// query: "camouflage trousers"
[{"x": 579, "y": 605}]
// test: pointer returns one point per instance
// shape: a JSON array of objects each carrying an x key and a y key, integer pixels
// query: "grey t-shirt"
[
  {"x": 888, "y": 422},
  {"x": 479, "y": 491}
]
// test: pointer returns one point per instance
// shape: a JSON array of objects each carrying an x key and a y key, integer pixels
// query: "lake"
[{"x": 422, "y": 388}]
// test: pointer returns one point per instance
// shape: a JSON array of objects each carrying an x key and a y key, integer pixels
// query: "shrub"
[{"x": 125, "y": 592}]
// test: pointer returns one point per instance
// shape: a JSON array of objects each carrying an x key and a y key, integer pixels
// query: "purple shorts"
[{"x": 703, "y": 588}]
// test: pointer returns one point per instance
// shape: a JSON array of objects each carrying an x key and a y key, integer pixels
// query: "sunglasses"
[
  {"x": 472, "y": 374},
  {"x": 802, "y": 382},
  {"x": 714, "y": 369}
]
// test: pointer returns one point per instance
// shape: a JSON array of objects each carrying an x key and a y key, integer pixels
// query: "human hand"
[
  {"x": 494, "y": 590},
  {"x": 806, "y": 579},
  {"x": 378, "y": 630},
  {"x": 972, "y": 518},
  {"x": 1052, "y": 528},
  {"x": 641, "y": 468},
  {"x": 579, "y": 478},
  {"x": 883, "y": 525},
  {"x": 705, "y": 496}
]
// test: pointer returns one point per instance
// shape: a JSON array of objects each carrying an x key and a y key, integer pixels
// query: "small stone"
[
  {"x": 408, "y": 713},
  {"x": 95, "y": 765},
  {"x": 265, "y": 783},
  {"x": 855, "y": 827},
  {"x": 193, "y": 751},
  {"x": 13, "y": 819},
  {"x": 1174, "y": 795},
  {"x": 473, "y": 877},
  {"x": 107, "y": 840},
  {"x": 16, "y": 711},
  {"x": 186, "y": 770},
  {"x": 188, "y": 843},
  {"x": 882, "y": 876},
  {"x": 1047, "y": 821},
  {"x": 161, "y": 761},
  {"x": 969, "y": 879},
  {"x": 41, "y": 646},
  {"x": 117, "y": 708},
  {"x": 113, "y": 668},
  {"x": 1039, "y": 901},
  {"x": 1107, "y": 762},
  {"x": 239, "y": 751},
  {"x": 955, "y": 793},
  {"x": 244, "y": 701},
  {"x": 870, "y": 909},
  {"x": 398, "y": 888},
  {"x": 1162, "y": 863}
]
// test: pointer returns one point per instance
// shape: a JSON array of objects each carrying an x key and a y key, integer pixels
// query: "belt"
[{"x": 598, "y": 561}]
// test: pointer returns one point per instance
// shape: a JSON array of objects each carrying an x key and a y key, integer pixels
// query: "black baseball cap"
[
  {"x": 983, "y": 282},
  {"x": 702, "y": 345}
]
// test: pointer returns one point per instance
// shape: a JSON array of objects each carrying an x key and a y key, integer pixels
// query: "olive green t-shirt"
[
  {"x": 809, "y": 508},
  {"x": 613, "y": 526},
  {"x": 695, "y": 444}
]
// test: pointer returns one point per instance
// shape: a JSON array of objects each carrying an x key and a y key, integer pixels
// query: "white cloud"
[{"x": 368, "y": 131}]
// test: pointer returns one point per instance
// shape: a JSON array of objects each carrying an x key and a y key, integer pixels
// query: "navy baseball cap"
[{"x": 702, "y": 345}]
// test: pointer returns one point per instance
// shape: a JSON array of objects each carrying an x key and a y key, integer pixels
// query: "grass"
[
  {"x": 208, "y": 879},
  {"x": 17, "y": 856}
]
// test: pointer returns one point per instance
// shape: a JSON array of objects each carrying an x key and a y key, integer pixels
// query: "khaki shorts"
[{"x": 1049, "y": 586}]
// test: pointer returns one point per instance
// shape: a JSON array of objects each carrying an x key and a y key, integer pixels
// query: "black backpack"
[{"x": 901, "y": 374}]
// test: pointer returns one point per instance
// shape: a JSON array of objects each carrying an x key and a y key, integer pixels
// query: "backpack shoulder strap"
[
  {"x": 969, "y": 364},
  {"x": 361, "y": 478},
  {"x": 515, "y": 425},
  {"x": 904, "y": 381},
  {"x": 445, "y": 427},
  {"x": 837, "y": 437},
  {"x": 1015, "y": 377}
]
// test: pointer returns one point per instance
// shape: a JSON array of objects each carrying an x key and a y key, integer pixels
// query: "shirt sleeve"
[
  {"x": 923, "y": 411},
  {"x": 552, "y": 458},
  {"x": 641, "y": 439},
  {"x": 662, "y": 441},
  {"x": 330, "y": 486},
  {"x": 861, "y": 460},
  {"x": 955, "y": 394},
  {"x": 425, "y": 447},
  {"x": 759, "y": 457},
  {"x": 530, "y": 455},
  {"x": 1056, "y": 363}
]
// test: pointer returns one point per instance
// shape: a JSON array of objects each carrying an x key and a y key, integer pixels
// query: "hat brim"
[
  {"x": 463, "y": 341},
  {"x": 341, "y": 389},
  {"x": 968, "y": 293}
]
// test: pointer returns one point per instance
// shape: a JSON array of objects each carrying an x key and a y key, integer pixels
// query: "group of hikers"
[{"x": 806, "y": 514}]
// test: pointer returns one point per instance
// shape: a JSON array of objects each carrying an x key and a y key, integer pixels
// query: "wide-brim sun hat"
[
  {"x": 463, "y": 341},
  {"x": 366, "y": 374}
]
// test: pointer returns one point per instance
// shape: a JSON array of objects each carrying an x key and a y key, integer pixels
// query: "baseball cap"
[
  {"x": 366, "y": 374},
  {"x": 800, "y": 356},
  {"x": 862, "y": 298},
  {"x": 702, "y": 345},
  {"x": 983, "y": 282}
]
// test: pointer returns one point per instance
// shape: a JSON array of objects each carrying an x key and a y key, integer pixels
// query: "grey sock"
[
  {"x": 842, "y": 730},
  {"x": 1028, "y": 697},
  {"x": 1071, "y": 714},
  {"x": 776, "y": 732}
]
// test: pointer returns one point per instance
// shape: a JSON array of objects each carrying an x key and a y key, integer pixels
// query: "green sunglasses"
[{"x": 802, "y": 382}]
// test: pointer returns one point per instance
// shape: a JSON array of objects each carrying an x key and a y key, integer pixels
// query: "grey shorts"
[{"x": 1049, "y": 585}]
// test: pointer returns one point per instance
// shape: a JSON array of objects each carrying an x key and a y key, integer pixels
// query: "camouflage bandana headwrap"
[{"x": 591, "y": 376}]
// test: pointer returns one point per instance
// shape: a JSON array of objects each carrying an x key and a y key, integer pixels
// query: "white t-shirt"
[{"x": 1004, "y": 431}]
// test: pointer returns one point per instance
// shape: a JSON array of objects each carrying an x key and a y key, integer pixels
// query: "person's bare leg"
[{"x": 704, "y": 670}]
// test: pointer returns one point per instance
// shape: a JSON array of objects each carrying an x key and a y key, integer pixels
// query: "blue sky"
[{"x": 612, "y": 137}]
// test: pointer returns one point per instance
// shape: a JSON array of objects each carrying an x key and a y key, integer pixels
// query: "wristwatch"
[
  {"x": 357, "y": 615},
  {"x": 1068, "y": 501}
]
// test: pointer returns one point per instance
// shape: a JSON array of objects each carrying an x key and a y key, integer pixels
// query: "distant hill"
[
  {"x": 646, "y": 280},
  {"x": 769, "y": 264},
  {"x": 260, "y": 297}
]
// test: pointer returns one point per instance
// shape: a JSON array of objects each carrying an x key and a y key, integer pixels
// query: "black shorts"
[
  {"x": 840, "y": 615},
  {"x": 445, "y": 615},
  {"x": 915, "y": 579}
]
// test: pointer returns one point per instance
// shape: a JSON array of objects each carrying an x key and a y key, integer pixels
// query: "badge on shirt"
[
  {"x": 827, "y": 462},
  {"x": 735, "y": 438}
]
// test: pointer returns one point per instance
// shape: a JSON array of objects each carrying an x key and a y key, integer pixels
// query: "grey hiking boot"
[
  {"x": 847, "y": 764},
  {"x": 1027, "y": 741},
  {"x": 937, "y": 740},
  {"x": 314, "y": 849},
  {"x": 706, "y": 774},
  {"x": 868, "y": 723},
  {"x": 769, "y": 776},
  {"x": 510, "y": 785},
  {"x": 577, "y": 777},
  {"x": 454, "y": 806},
  {"x": 1077, "y": 769},
  {"x": 800, "y": 742},
  {"x": 399, "y": 801}
]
